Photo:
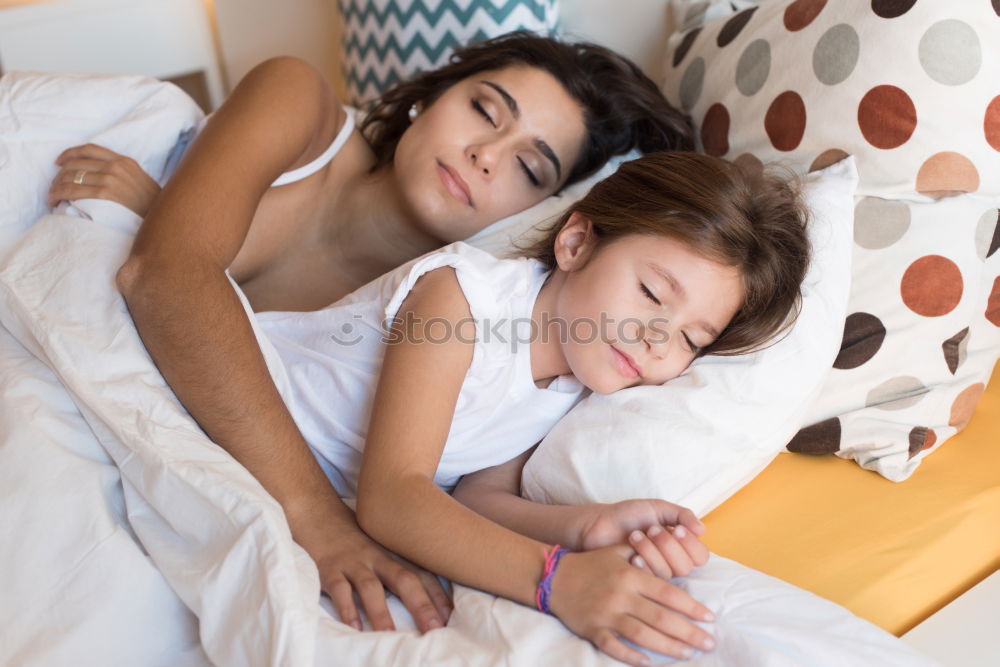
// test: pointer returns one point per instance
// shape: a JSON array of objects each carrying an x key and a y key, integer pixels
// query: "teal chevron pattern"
[{"x": 387, "y": 41}]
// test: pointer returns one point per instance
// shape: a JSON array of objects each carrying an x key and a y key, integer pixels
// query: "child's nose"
[{"x": 656, "y": 339}]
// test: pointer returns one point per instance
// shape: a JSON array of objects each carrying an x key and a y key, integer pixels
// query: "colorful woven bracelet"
[{"x": 552, "y": 557}]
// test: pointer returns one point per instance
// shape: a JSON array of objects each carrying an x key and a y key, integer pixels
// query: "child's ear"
[{"x": 575, "y": 242}]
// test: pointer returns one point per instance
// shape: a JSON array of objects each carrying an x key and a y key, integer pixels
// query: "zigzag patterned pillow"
[{"x": 387, "y": 41}]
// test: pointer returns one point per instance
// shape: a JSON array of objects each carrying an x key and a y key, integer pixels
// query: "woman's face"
[
  {"x": 654, "y": 301},
  {"x": 490, "y": 146}
]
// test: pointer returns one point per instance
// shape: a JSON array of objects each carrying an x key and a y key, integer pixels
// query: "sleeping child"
[{"x": 457, "y": 362}]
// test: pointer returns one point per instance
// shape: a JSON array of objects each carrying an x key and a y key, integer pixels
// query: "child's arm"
[
  {"x": 665, "y": 536},
  {"x": 597, "y": 594}
]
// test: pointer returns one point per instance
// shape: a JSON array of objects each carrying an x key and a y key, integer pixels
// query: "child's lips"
[{"x": 626, "y": 365}]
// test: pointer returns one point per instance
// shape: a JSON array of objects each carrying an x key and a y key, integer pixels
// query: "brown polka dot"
[
  {"x": 890, "y": 9},
  {"x": 921, "y": 438},
  {"x": 715, "y": 130},
  {"x": 734, "y": 26},
  {"x": 965, "y": 404},
  {"x": 991, "y": 123},
  {"x": 863, "y": 337},
  {"x": 993, "y": 304},
  {"x": 954, "y": 351},
  {"x": 785, "y": 121},
  {"x": 931, "y": 439},
  {"x": 749, "y": 163},
  {"x": 947, "y": 173},
  {"x": 995, "y": 241},
  {"x": 887, "y": 117},
  {"x": 820, "y": 438},
  {"x": 826, "y": 158},
  {"x": 996, "y": 6},
  {"x": 931, "y": 286},
  {"x": 801, "y": 13},
  {"x": 685, "y": 46}
]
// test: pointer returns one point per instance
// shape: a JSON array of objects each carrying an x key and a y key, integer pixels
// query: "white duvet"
[{"x": 129, "y": 538}]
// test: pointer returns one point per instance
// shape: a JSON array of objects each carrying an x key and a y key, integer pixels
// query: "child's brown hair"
[{"x": 750, "y": 219}]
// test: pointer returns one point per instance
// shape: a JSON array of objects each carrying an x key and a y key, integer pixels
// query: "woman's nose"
[{"x": 484, "y": 158}]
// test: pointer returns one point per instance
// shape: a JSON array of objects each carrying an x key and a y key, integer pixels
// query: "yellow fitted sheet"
[{"x": 893, "y": 553}]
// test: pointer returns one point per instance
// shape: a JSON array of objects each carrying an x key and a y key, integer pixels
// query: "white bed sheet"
[{"x": 131, "y": 538}]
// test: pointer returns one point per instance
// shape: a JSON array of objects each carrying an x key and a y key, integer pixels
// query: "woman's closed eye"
[
  {"x": 482, "y": 111},
  {"x": 528, "y": 172}
]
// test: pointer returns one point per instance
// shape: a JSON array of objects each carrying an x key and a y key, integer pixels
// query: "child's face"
[{"x": 654, "y": 301}]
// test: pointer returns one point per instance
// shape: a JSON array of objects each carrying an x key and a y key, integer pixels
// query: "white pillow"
[
  {"x": 699, "y": 438},
  {"x": 529, "y": 225}
]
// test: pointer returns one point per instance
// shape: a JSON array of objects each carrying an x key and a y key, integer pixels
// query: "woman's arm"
[
  {"x": 197, "y": 332},
  {"x": 597, "y": 594}
]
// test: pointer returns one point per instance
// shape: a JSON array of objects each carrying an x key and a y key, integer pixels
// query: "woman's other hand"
[
  {"x": 351, "y": 562},
  {"x": 665, "y": 536},
  {"x": 604, "y": 599},
  {"x": 95, "y": 172}
]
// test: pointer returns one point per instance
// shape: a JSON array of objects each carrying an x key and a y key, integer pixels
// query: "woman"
[{"x": 506, "y": 124}]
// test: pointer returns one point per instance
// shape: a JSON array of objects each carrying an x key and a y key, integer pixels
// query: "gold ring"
[{"x": 78, "y": 179}]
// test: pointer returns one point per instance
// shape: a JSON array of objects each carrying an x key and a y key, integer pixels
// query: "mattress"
[{"x": 893, "y": 553}]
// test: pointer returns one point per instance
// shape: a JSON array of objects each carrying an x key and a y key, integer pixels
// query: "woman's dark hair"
[
  {"x": 623, "y": 108},
  {"x": 749, "y": 218}
]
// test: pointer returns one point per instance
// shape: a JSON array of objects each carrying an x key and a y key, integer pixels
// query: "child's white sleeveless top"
[{"x": 326, "y": 365}]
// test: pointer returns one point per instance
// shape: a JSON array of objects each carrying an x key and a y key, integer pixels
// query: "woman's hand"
[
  {"x": 664, "y": 535},
  {"x": 349, "y": 561},
  {"x": 94, "y": 172},
  {"x": 604, "y": 599}
]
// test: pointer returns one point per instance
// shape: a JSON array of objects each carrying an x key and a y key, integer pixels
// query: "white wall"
[
  {"x": 634, "y": 28},
  {"x": 251, "y": 31},
  {"x": 162, "y": 38}
]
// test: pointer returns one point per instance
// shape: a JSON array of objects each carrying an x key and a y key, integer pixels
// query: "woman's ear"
[{"x": 575, "y": 242}]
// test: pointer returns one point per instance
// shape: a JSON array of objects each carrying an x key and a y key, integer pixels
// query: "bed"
[
  {"x": 131, "y": 539},
  {"x": 933, "y": 537}
]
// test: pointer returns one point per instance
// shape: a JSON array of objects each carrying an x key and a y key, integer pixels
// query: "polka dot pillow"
[
  {"x": 909, "y": 88},
  {"x": 912, "y": 90},
  {"x": 388, "y": 41}
]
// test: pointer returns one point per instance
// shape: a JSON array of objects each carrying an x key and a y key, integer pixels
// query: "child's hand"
[
  {"x": 602, "y": 598},
  {"x": 664, "y": 535},
  {"x": 95, "y": 172}
]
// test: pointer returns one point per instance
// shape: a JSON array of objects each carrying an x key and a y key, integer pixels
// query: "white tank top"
[
  {"x": 320, "y": 162},
  {"x": 292, "y": 176},
  {"x": 326, "y": 365}
]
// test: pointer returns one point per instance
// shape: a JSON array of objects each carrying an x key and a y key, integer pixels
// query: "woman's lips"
[
  {"x": 458, "y": 188},
  {"x": 626, "y": 365}
]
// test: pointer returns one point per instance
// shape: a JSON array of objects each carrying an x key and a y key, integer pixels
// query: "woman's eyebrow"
[{"x": 515, "y": 111}]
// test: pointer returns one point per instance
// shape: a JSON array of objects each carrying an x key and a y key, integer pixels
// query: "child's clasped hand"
[
  {"x": 604, "y": 599},
  {"x": 665, "y": 537}
]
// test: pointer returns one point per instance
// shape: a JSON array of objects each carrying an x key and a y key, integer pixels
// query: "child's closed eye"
[{"x": 649, "y": 295}]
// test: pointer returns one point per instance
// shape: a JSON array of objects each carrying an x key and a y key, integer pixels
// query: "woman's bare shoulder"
[{"x": 290, "y": 92}]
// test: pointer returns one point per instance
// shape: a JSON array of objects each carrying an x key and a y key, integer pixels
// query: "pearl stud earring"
[{"x": 413, "y": 113}]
